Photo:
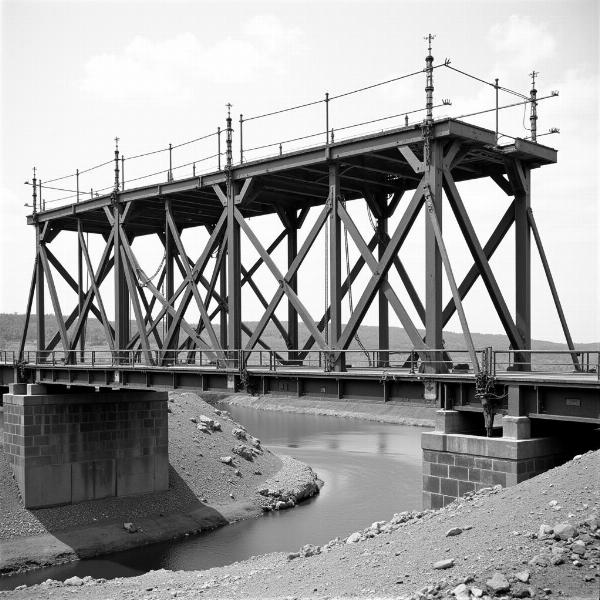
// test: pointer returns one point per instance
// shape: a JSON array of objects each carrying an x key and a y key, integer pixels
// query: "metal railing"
[
  {"x": 403, "y": 360},
  {"x": 548, "y": 362},
  {"x": 412, "y": 361},
  {"x": 8, "y": 356}
]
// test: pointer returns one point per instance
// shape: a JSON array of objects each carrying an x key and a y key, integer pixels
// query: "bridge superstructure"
[{"x": 397, "y": 173}]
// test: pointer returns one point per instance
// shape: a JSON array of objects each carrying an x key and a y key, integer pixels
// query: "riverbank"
[
  {"x": 219, "y": 473},
  {"x": 406, "y": 413},
  {"x": 538, "y": 539}
]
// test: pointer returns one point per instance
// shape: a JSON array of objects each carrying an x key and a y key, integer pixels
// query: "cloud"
[
  {"x": 271, "y": 33},
  {"x": 522, "y": 41},
  {"x": 171, "y": 71}
]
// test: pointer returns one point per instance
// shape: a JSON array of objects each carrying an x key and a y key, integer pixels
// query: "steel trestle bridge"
[{"x": 398, "y": 172}]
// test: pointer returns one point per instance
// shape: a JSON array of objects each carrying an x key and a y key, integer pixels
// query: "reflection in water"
[{"x": 370, "y": 470}]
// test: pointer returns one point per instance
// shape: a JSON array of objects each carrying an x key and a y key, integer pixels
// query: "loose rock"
[
  {"x": 447, "y": 563},
  {"x": 564, "y": 531},
  {"x": 498, "y": 583},
  {"x": 238, "y": 433},
  {"x": 243, "y": 451},
  {"x": 461, "y": 592},
  {"x": 523, "y": 576}
]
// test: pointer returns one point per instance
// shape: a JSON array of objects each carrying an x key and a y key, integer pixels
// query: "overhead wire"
[
  {"x": 335, "y": 97},
  {"x": 481, "y": 80},
  {"x": 481, "y": 112},
  {"x": 374, "y": 85}
]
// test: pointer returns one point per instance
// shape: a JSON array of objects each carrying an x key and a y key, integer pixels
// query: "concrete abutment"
[{"x": 69, "y": 446}]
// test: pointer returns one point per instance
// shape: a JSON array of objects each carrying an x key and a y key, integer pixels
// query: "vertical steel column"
[
  {"x": 39, "y": 299},
  {"x": 292, "y": 247},
  {"x": 121, "y": 292},
  {"x": 384, "y": 322},
  {"x": 80, "y": 294},
  {"x": 433, "y": 261},
  {"x": 234, "y": 290},
  {"x": 496, "y": 88},
  {"x": 523, "y": 269},
  {"x": 223, "y": 293},
  {"x": 39, "y": 280},
  {"x": 335, "y": 265},
  {"x": 169, "y": 282}
]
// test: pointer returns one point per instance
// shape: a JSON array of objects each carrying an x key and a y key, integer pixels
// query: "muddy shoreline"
[{"x": 414, "y": 414}]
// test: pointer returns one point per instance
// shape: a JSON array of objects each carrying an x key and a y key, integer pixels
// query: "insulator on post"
[
  {"x": 429, "y": 81},
  {"x": 533, "y": 117},
  {"x": 116, "y": 164},
  {"x": 229, "y": 156},
  {"x": 34, "y": 194}
]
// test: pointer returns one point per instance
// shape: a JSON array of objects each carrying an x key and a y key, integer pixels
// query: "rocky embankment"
[
  {"x": 539, "y": 539},
  {"x": 219, "y": 473}
]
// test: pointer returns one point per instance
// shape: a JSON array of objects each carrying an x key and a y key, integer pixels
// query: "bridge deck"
[
  {"x": 563, "y": 396},
  {"x": 300, "y": 179}
]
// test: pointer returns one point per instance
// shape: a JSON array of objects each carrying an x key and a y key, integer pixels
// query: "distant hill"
[{"x": 11, "y": 327}]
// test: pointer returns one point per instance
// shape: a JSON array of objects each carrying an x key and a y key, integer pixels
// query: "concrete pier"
[
  {"x": 455, "y": 463},
  {"x": 71, "y": 445},
  {"x": 458, "y": 458}
]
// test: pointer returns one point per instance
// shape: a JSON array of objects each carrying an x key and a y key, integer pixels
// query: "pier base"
[
  {"x": 457, "y": 461},
  {"x": 75, "y": 445}
]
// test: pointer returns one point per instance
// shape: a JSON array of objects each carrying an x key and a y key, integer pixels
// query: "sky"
[{"x": 75, "y": 75}]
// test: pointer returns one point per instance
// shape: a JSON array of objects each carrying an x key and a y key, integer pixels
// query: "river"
[{"x": 370, "y": 470}]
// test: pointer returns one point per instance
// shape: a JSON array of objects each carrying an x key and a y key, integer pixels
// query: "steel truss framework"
[{"x": 406, "y": 169}]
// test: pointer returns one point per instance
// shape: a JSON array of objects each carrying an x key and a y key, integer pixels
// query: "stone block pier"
[
  {"x": 458, "y": 459},
  {"x": 71, "y": 445}
]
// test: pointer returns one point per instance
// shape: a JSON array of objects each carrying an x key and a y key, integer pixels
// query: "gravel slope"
[{"x": 499, "y": 533}]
